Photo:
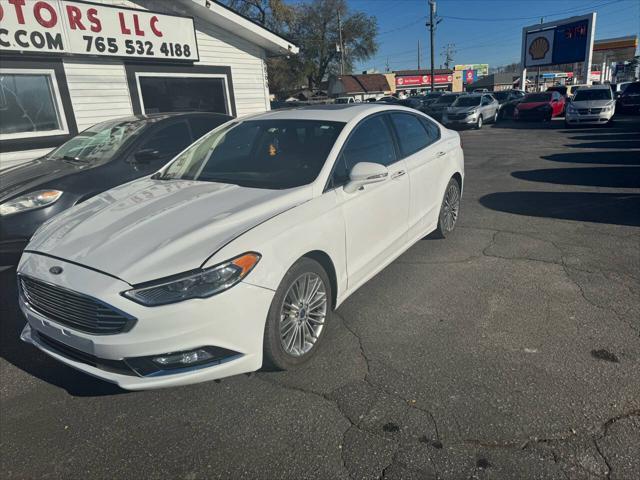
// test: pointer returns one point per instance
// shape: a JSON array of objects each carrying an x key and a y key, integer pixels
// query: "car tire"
[
  {"x": 479, "y": 123},
  {"x": 449, "y": 210},
  {"x": 280, "y": 328}
]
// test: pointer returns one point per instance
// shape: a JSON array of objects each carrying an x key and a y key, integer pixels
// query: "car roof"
[
  {"x": 594, "y": 87},
  {"x": 156, "y": 117},
  {"x": 327, "y": 113}
]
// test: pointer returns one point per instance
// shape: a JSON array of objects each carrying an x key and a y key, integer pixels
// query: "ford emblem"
[{"x": 55, "y": 270}]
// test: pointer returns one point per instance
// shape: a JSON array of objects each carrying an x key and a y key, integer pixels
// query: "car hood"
[
  {"x": 149, "y": 229},
  {"x": 591, "y": 103},
  {"x": 26, "y": 177},
  {"x": 462, "y": 109},
  {"x": 531, "y": 105}
]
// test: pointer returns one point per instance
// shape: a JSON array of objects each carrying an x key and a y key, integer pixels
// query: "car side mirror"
[
  {"x": 365, "y": 173},
  {"x": 146, "y": 155}
]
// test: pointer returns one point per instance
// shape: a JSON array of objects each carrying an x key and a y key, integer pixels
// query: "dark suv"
[
  {"x": 101, "y": 157},
  {"x": 629, "y": 100}
]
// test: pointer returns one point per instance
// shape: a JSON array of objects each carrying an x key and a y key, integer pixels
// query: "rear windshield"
[
  {"x": 537, "y": 97},
  {"x": 271, "y": 154},
  {"x": 467, "y": 102},
  {"x": 595, "y": 94}
]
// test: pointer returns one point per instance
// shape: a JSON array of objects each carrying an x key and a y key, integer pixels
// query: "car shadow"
[
  {"x": 610, "y": 208},
  {"x": 606, "y": 142},
  {"x": 528, "y": 125},
  {"x": 608, "y": 157},
  {"x": 31, "y": 360},
  {"x": 610, "y": 137},
  {"x": 610, "y": 177}
]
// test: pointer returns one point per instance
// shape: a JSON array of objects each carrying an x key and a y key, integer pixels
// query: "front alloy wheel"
[
  {"x": 298, "y": 316},
  {"x": 450, "y": 209}
]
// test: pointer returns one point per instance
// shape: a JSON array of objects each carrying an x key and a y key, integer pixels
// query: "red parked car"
[{"x": 540, "y": 106}]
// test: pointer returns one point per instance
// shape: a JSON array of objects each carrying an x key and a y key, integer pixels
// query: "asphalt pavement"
[{"x": 510, "y": 350}]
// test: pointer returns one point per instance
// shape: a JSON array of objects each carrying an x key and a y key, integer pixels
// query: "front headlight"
[
  {"x": 40, "y": 198},
  {"x": 200, "y": 284}
]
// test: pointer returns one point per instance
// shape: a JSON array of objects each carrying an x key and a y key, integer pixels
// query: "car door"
[
  {"x": 376, "y": 215},
  {"x": 420, "y": 146},
  {"x": 163, "y": 143}
]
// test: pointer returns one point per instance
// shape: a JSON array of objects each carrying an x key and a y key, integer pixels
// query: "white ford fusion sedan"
[{"x": 235, "y": 253}]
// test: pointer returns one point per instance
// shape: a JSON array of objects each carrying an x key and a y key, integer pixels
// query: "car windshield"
[
  {"x": 446, "y": 99},
  {"x": 538, "y": 97},
  {"x": 273, "y": 154},
  {"x": 595, "y": 94},
  {"x": 501, "y": 96},
  {"x": 470, "y": 101},
  {"x": 100, "y": 142}
]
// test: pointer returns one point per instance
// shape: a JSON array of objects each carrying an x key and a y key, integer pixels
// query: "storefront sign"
[
  {"x": 421, "y": 80},
  {"x": 79, "y": 28}
]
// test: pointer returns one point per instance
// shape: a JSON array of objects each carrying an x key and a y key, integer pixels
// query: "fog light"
[{"x": 183, "y": 358}]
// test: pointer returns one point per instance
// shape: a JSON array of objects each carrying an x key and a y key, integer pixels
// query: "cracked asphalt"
[{"x": 510, "y": 350}]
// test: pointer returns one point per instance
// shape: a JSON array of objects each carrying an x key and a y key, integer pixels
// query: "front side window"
[
  {"x": 169, "y": 140},
  {"x": 411, "y": 134},
  {"x": 370, "y": 141},
  {"x": 270, "y": 154},
  {"x": 100, "y": 142},
  {"x": 29, "y": 105}
]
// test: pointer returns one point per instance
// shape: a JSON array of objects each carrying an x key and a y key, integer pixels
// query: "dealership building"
[{"x": 66, "y": 65}]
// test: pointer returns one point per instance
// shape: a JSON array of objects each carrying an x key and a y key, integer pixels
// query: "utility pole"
[
  {"x": 341, "y": 45},
  {"x": 418, "y": 54},
  {"x": 433, "y": 21},
  {"x": 538, "y": 76},
  {"x": 448, "y": 52}
]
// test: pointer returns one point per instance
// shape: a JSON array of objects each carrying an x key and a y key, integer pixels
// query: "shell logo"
[{"x": 539, "y": 48}]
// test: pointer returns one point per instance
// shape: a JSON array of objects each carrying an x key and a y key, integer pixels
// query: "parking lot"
[{"x": 509, "y": 350}]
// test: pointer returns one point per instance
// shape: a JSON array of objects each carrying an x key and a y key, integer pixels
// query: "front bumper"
[
  {"x": 233, "y": 320},
  {"x": 468, "y": 120},
  {"x": 593, "y": 119}
]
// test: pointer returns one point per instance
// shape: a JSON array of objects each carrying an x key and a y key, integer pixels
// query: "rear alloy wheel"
[
  {"x": 479, "y": 123},
  {"x": 450, "y": 209},
  {"x": 298, "y": 316}
]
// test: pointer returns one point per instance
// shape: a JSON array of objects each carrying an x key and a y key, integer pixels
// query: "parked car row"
[{"x": 234, "y": 253}]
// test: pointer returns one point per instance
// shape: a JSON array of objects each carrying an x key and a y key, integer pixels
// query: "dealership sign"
[
  {"x": 421, "y": 80},
  {"x": 560, "y": 42},
  {"x": 79, "y": 28}
]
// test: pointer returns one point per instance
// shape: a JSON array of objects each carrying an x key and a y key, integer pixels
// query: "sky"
[{"x": 483, "y": 31}]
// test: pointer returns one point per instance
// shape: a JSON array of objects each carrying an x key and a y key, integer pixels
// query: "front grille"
[
  {"x": 589, "y": 111},
  {"x": 72, "y": 309},
  {"x": 116, "y": 366}
]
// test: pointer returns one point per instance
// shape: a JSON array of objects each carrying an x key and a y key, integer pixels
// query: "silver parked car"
[{"x": 472, "y": 110}]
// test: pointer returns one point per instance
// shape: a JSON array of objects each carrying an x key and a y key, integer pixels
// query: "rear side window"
[
  {"x": 433, "y": 132},
  {"x": 202, "y": 124},
  {"x": 371, "y": 141},
  {"x": 412, "y": 136}
]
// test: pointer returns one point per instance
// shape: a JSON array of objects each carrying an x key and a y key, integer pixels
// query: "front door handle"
[{"x": 398, "y": 174}]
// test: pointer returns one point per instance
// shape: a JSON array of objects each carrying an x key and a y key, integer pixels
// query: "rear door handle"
[{"x": 398, "y": 174}]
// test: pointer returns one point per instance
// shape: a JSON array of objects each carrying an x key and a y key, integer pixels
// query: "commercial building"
[
  {"x": 67, "y": 65},
  {"x": 413, "y": 81}
]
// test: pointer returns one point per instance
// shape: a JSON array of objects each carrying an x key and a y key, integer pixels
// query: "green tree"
[{"x": 312, "y": 26}]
